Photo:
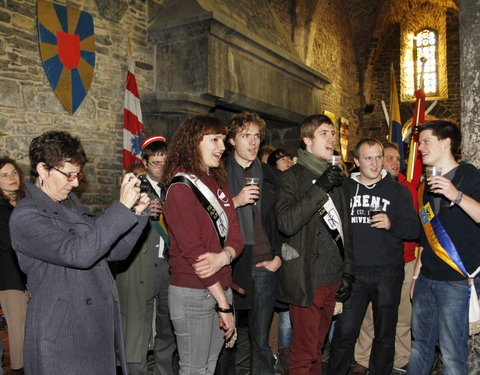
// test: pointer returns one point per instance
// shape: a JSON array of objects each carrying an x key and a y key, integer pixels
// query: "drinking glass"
[{"x": 431, "y": 171}]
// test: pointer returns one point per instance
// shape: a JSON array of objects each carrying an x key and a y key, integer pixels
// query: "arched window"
[{"x": 425, "y": 57}]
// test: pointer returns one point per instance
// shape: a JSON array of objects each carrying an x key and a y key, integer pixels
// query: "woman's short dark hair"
[
  {"x": 55, "y": 148},
  {"x": 21, "y": 191},
  {"x": 276, "y": 155}
]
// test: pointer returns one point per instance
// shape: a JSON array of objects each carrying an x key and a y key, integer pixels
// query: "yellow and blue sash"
[
  {"x": 161, "y": 227},
  {"x": 437, "y": 237},
  {"x": 443, "y": 247}
]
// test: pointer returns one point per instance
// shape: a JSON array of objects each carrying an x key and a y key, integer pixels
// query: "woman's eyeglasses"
[
  {"x": 8, "y": 175},
  {"x": 72, "y": 175}
]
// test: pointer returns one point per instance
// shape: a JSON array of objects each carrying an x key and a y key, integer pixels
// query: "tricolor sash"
[
  {"x": 437, "y": 237},
  {"x": 208, "y": 200},
  {"x": 443, "y": 247},
  {"x": 161, "y": 227},
  {"x": 333, "y": 224}
]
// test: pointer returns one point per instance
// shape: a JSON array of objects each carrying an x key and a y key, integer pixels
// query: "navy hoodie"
[{"x": 380, "y": 247}]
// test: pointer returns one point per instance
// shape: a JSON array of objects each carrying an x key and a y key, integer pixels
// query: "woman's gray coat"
[{"x": 73, "y": 318}]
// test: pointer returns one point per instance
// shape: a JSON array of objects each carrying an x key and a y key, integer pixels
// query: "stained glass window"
[{"x": 425, "y": 61}]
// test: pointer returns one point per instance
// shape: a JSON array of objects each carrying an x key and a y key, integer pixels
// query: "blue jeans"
[
  {"x": 196, "y": 325},
  {"x": 440, "y": 315},
  {"x": 381, "y": 286},
  {"x": 284, "y": 329}
]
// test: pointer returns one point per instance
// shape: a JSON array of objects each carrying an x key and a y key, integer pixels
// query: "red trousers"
[{"x": 310, "y": 326}]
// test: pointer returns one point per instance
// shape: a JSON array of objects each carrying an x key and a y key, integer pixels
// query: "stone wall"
[
  {"x": 213, "y": 56},
  {"x": 389, "y": 51},
  {"x": 374, "y": 123},
  {"x": 321, "y": 33},
  {"x": 334, "y": 57},
  {"x": 315, "y": 38},
  {"x": 29, "y": 106}
]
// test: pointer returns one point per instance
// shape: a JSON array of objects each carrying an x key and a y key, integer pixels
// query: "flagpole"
[
  {"x": 133, "y": 129},
  {"x": 417, "y": 120},
  {"x": 387, "y": 118}
]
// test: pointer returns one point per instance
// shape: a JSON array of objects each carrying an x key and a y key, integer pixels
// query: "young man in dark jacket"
[
  {"x": 255, "y": 269},
  {"x": 313, "y": 213},
  {"x": 378, "y": 257}
]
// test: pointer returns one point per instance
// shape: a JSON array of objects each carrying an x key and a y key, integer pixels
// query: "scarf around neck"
[{"x": 311, "y": 162}]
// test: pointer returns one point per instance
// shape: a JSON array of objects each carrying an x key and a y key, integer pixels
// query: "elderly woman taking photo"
[
  {"x": 73, "y": 320},
  {"x": 13, "y": 295},
  {"x": 204, "y": 238}
]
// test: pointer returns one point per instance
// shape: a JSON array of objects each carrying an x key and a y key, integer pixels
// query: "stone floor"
[{"x": 242, "y": 353}]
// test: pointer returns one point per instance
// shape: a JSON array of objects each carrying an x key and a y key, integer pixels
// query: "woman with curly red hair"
[{"x": 204, "y": 239}]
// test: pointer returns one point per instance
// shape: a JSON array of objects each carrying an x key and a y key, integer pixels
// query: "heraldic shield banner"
[{"x": 67, "y": 49}]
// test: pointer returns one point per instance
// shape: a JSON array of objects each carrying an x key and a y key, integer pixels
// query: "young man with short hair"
[
  {"x": 255, "y": 269},
  {"x": 378, "y": 257},
  {"x": 313, "y": 214},
  {"x": 450, "y": 212},
  {"x": 403, "y": 342},
  {"x": 144, "y": 277}
]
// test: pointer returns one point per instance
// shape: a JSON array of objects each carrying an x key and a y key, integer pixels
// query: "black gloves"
[
  {"x": 330, "y": 178},
  {"x": 346, "y": 288}
]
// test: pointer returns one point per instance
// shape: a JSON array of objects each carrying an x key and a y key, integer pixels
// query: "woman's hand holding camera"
[
  {"x": 142, "y": 203},
  {"x": 130, "y": 195}
]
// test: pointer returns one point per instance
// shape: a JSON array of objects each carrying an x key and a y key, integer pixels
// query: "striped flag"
[
  {"x": 414, "y": 166},
  {"x": 133, "y": 130},
  {"x": 395, "y": 121}
]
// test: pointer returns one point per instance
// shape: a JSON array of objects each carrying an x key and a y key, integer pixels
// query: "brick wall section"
[
  {"x": 374, "y": 123},
  {"x": 388, "y": 51},
  {"x": 332, "y": 54},
  {"x": 29, "y": 106}
]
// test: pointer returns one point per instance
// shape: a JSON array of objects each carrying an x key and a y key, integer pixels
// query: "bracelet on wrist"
[
  {"x": 415, "y": 277},
  {"x": 457, "y": 200},
  {"x": 229, "y": 256},
  {"x": 222, "y": 310}
]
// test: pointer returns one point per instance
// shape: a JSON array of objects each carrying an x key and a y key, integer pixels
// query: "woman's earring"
[{"x": 41, "y": 181}]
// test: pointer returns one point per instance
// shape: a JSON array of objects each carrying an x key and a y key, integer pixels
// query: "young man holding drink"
[
  {"x": 449, "y": 209},
  {"x": 378, "y": 259},
  {"x": 403, "y": 342},
  {"x": 313, "y": 214},
  {"x": 252, "y": 185}
]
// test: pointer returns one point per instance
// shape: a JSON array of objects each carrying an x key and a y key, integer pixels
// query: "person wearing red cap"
[{"x": 144, "y": 278}]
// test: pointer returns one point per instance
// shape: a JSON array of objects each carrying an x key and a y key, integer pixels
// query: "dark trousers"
[
  {"x": 259, "y": 318},
  {"x": 164, "y": 341},
  {"x": 309, "y": 328},
  {"x": 382, "y": 287}
]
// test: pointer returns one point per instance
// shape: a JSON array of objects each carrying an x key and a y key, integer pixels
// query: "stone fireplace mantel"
[{"x": 206, "y": 56}]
